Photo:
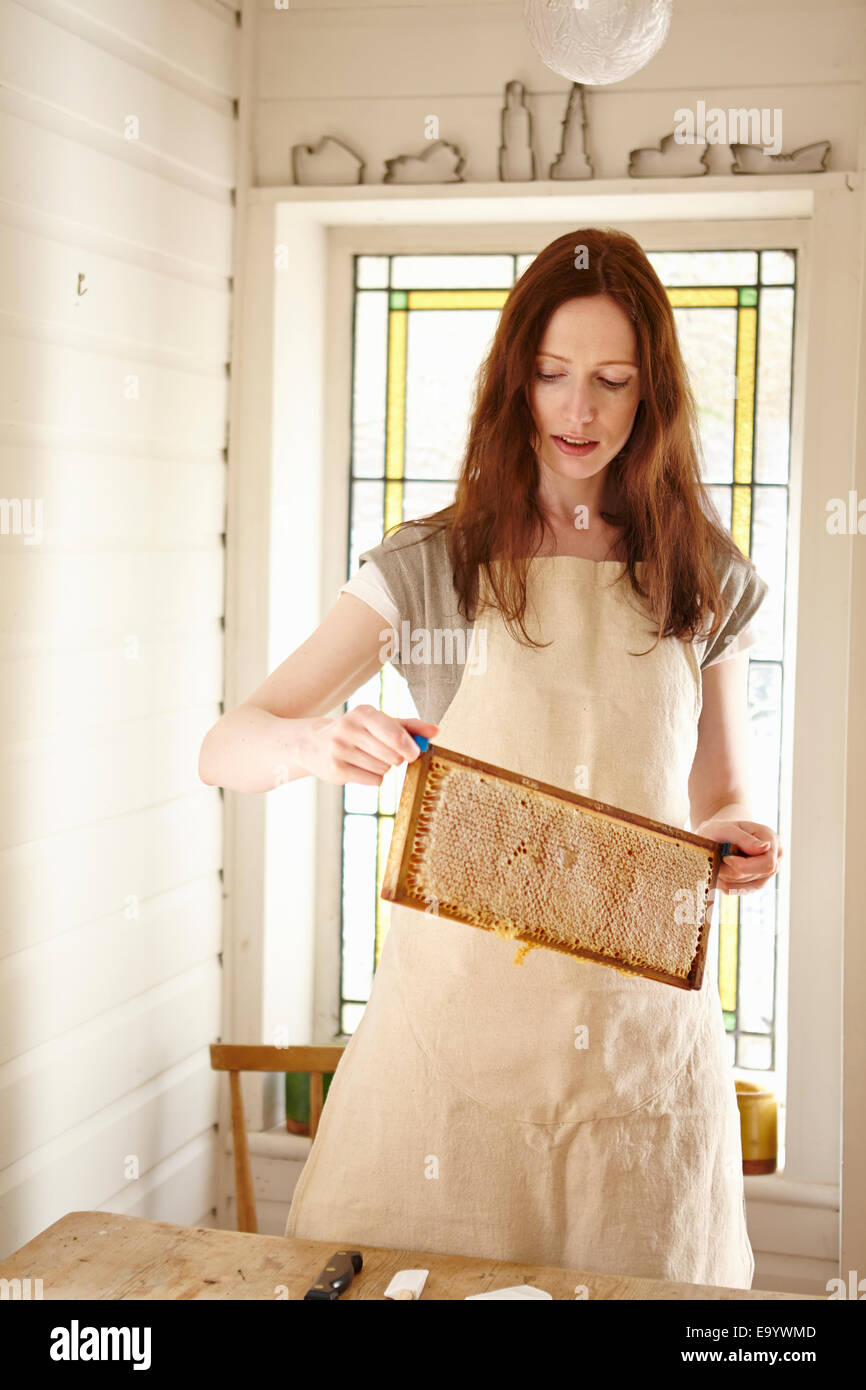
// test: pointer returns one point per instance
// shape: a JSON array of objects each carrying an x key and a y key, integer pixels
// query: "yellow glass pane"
[
  {"x": 702, "y": 299},
  {"x": 396, "y": 411},
  {"x": 457, "y": 299},
  {"x": 744, "y": 415},
  {"x": 728, "y": 922},
  {"x": 393, "y": 504}
]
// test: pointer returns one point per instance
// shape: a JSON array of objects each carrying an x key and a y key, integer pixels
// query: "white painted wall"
[
  {"x": 370, "y": 74},
  {"x": 115, "y": 301}
]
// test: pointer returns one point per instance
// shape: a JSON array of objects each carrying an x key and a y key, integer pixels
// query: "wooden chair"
[{"x": 235, "y": 1058}]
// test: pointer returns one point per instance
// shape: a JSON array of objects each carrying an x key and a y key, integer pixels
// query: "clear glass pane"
[
  {"x": 523, "y": 262},
  {"x": 777, "y": 267},
  {"x": 368, "y": 503},
  {"x": 371, "y": 272},
  {"x": 448, "y": 272},
  {"x": 721, "y": 497},
  {"x": 708, "y": 339},
  {"x": 357, "y": 797},
  {"x": 730, "y": 1048},
  {"x": 705, "y": 267},
  {"x": 758, "y": 967},
  {"x": 754, "y": 1053},
  {"x": 765, "y": 738},
  {"x": 350, "y": 1017},
  {"x": 445, "y": 350},
  {"x": 359, "y": 904},
  {"x": 769, "y": 537},
  {"x": 422, "y": 498},
  {"x": 369, "y": 388},
  {"x": 773, "y": 435}
]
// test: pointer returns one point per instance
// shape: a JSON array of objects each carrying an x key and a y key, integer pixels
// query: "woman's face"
[{"x": 585, "y": 386}]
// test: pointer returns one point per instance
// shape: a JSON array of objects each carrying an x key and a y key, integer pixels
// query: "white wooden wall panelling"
[
  {"x": 75, "y": 1171},
  {"x": 102, "y": 685},
  {"x": 109, "y": 594},
  {"x": 180, "y": 38},
  {"x": 81, "y": 395},
  {"x": 50, "y": 74},
  {"x": 108, "y": 961},
  {"x": 59, "y": 1083},
  {"x": 140, "y": 853},
  {"x": 116, "y": 308},
  {"x": 107, "y": 772},
  {"x": 52, "y": 184},
  {"x": 173, "y": 1189},
  {"x": 117, "y": 501}
]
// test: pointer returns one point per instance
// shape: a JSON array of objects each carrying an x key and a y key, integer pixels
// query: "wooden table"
[{"x": 100, "y": 1255}]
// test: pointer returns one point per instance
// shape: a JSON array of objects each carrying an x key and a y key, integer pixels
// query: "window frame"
[{"x": 296, "y": 327}]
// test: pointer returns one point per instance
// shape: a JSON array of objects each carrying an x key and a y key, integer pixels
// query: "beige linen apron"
[{"x": 554, "y": 1111}]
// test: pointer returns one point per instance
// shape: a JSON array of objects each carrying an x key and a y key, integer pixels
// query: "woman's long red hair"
[{"x": 666, "y": 514}]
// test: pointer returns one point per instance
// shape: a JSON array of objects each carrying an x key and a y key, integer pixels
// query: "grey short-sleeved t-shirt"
[{"x": 419, "y": 592}]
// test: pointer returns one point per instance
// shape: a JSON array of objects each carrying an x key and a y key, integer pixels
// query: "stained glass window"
[{"x": 423, "y": 324}]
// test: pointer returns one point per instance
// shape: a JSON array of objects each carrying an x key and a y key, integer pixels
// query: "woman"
[{"x": 558, "y": 1112}]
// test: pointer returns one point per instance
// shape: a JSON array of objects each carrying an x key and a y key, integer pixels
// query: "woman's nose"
[{"x": 580, "y": 406}]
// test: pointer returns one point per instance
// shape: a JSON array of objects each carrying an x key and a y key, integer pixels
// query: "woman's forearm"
[{"x": 251, "y": 750}]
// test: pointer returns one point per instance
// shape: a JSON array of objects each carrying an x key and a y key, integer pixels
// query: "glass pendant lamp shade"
[{"x": 599, "y": 41}]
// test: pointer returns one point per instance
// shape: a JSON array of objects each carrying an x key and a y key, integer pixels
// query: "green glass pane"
[
  {"x": 773, "y": 433},
  {"x": 748, "y": 298},
  {"x": 359, "y": 904},
  {"x": 369, "y": 384},
  {"x": 398, "y": 299},
  {"x": 450, "y": 272},
  {"x": 708, "y": 340},
  {"x": 705, "y": 267},
  {"x": 730, "y": 1020},
  {"x": 445, "y": 350}
]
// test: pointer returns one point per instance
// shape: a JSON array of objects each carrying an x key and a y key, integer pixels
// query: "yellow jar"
[{"x": 758, "y": 1127}]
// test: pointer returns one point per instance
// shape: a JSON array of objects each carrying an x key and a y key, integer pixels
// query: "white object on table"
[
  {"x": 516, "y": 1291},
  {"x": 407, "y": 1282}
]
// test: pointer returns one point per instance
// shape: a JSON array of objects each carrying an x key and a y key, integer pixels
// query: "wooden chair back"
[{"x": 239, "y": 1057}]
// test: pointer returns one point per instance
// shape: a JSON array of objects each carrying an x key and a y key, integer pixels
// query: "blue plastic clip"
[{"x": 422, "y": 742}]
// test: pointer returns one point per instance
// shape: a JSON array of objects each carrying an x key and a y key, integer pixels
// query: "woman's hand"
[
  {"x": 759, "y": 842},
  {"x": 361, "y": 745}
]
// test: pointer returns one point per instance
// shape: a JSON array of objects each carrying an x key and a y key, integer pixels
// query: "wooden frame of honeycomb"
[{"x": 535, "y": 863}]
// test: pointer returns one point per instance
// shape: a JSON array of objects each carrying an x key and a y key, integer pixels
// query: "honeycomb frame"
[{"x": 631, "y": 940}]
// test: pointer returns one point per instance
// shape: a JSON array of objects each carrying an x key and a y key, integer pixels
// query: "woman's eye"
[{"x": 556, "y": 376}]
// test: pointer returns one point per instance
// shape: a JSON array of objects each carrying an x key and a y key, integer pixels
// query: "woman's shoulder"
[
  {"x": 409, "y": 548},
  {"x": 742, "y": 591}
]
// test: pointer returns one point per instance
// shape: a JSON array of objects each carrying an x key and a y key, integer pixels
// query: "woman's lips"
[{"x": 575, "y": 450}]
